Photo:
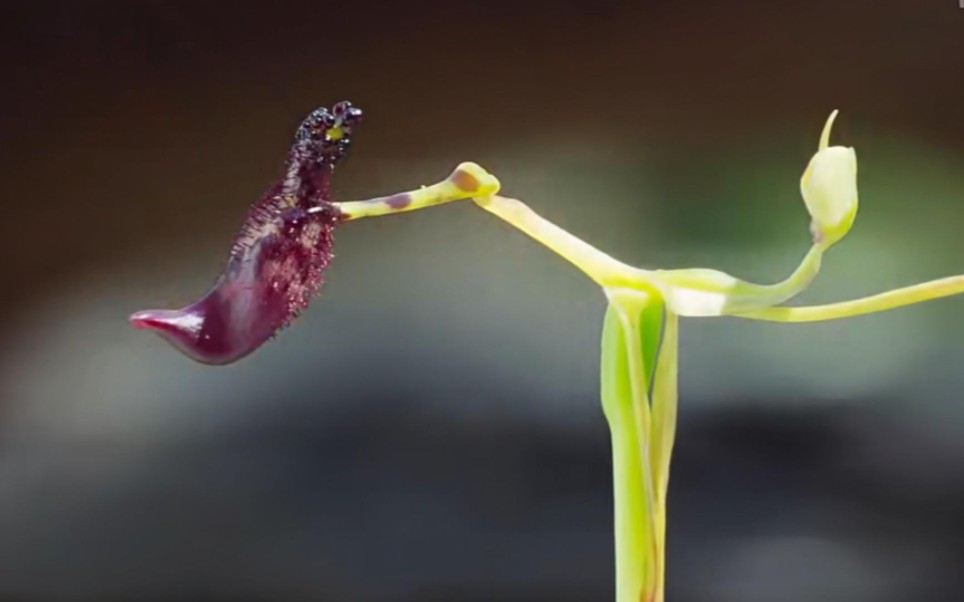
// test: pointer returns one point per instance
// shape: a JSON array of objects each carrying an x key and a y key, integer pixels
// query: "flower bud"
[{"x": 829, "y": 188}]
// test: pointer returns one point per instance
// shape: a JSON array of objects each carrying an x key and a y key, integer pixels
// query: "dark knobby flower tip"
[
  {"x": 278, "y": 258},
  {"x": 326, "y": 134}
]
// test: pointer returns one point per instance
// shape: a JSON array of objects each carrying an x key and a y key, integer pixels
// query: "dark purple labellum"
[{"x": 279, "y": 256}]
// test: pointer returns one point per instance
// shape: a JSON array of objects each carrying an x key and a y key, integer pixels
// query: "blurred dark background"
[{"x": 430, "y": 430}]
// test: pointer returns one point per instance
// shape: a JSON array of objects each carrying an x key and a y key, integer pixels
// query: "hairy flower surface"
[{"x": 277, "y": 262}]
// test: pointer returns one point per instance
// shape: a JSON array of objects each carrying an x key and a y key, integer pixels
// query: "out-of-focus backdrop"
[{"x": 814, "y": 463}]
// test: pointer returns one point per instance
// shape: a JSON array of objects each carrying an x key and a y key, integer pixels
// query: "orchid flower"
[{"x": 278, "y": 259}]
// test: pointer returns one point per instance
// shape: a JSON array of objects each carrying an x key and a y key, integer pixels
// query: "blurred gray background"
[{"x": 430, "y": 430}]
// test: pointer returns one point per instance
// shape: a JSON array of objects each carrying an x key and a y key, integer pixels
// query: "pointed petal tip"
[
  {"x": 142, "y": 319},
  {"x": 182, "y": 329},
  {"x": 168, "y": 322},
  {"x": 825, "y": 135},
  {"x": 151, "y": 318}
]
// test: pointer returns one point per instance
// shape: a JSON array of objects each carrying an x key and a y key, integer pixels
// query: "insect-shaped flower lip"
[{"x": 279, "y": 256}]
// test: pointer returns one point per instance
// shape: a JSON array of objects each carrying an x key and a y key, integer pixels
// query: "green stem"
[
  {"x": 918, "y": 293},
  {"x": 630, "y": 341},
  {"x": 664, "y": 396},
  {"x": 705, "y": 292}
]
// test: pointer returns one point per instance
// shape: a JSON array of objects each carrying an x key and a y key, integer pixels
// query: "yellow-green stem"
[
  {"x": 466, "y": 181},
  {"x": 663, "y": 433},
  {"x": 918, "y": 293},
  {"x": 631, "y": 340},
  {"x": 602, "y": 268}
]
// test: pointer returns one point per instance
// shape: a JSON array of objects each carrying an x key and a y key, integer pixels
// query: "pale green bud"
[{"x": 829, "y": 188}]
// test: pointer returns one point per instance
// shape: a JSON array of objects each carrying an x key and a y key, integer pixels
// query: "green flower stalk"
[
  {"x": 279, "y": 257},
  {"x": 641, "y": 326}
]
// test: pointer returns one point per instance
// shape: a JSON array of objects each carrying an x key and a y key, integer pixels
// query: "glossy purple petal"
[{"x": 278, "y": 258}]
